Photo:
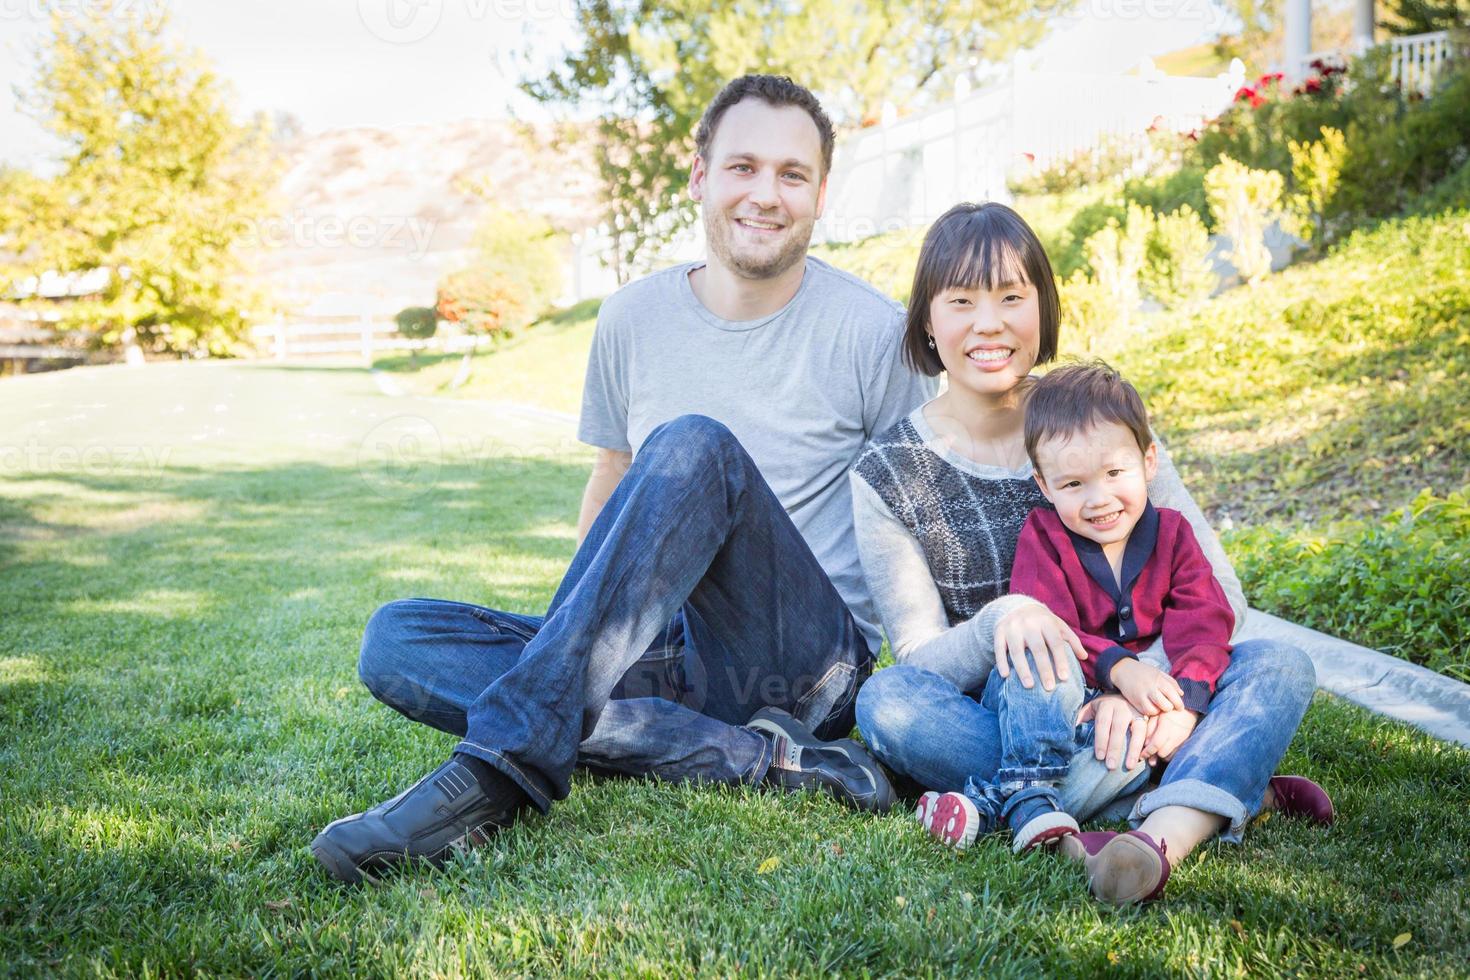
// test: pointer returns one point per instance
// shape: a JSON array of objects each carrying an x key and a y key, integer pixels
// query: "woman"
[{"x": 939, "y": 502}]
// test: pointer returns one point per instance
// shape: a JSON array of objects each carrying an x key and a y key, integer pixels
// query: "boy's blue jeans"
[
  {"x": 1041, "y": 745},
  {"x": 925, "y": 727},
  {"x": 692, "y": 603}
]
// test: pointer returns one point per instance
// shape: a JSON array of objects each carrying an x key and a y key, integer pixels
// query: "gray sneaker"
[{"x": 800, "y": 761}]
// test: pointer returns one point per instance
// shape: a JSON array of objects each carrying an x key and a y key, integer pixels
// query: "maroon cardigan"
[{"x": 1168, "y": 589}]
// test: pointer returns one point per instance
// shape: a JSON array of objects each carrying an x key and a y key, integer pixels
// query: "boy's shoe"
[
  {"x": 1298, "y": 796},
  {"x": 951, "y": 817},
  {"x": 1047, "y": 827},
  {"x": 446, "y": 811},
  {"x": 842, "y": 769},
  {"x": 1127, "y": 868},
  {"x": 925, "y": 809}
]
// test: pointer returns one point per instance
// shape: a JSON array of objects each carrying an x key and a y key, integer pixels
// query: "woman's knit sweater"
[{"x": 937, "y": 534}]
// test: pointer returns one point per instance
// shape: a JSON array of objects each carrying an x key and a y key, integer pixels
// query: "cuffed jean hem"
[
  {"x": 539, "y": 797},
  {"x": 762, "y": 763},
  {"x": 1012, "y": 781},
  {"x": 1200, "y": 796}
]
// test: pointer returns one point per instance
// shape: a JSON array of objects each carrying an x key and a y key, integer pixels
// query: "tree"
[
  {"x": 515, "y": 275},
  {"x": 649, "y": 67},
  {"x": 156, "y": 185},
  {"x": 1427, "y": 16}
]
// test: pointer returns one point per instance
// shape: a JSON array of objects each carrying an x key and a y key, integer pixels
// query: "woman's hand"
[
  {"x": 1119, "y": 725},
  {"x": 1051, "y": 642}
]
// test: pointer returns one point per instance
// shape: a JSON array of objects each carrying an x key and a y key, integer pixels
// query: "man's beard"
[{"x": 720, "y": 234}]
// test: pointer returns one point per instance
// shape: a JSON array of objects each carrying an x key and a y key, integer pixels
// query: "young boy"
[{"x": 1121, "y": 573}]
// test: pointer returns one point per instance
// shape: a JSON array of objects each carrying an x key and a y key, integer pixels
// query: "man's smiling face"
[{"x": 761, "y": 188}]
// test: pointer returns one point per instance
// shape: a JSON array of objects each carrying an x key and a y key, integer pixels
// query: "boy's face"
[
  {"x": 762, "y": 188},
  {"x": 1097, "y": 479}
]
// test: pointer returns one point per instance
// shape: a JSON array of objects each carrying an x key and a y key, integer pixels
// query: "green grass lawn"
[
  {"x": 542, "y": 366},
  {"x": 187, "y": 556}
]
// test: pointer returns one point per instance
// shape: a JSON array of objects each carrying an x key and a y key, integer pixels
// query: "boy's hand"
[
  {"x": 1170, "y": 731},
  {"x": 1147, "y": 688}
]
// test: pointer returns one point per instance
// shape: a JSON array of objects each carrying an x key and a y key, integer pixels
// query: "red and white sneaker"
[
  {"x": 951, "y": 817},
  {"x": 1298, "y": 796}
]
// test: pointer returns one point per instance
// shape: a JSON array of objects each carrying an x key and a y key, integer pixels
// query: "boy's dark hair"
[
  {"x": 775, "y": 90},
  {"x": 978, "y": 245},
  {"x": 1076, "y": 397}
]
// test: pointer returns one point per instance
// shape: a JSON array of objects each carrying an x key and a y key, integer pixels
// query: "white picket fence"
[
  {"x": 1414, "y": 60},
  {"x": 362, "y": 335},
  {"x": 911, "y": 170}
]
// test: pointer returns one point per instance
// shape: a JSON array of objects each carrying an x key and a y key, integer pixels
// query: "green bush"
[
  {"x": 417, "y": 322},
  {"x": 513, "y": 279},
  {"x": 1070, "y": 253},
  {"x": 1400, "y": 585},
  {"x": 1391, "y": 163},
  {"x": 1397, "y": 146},
  {"x": 1177, "y": 270},
  {"x": 1316, "y": 175},
  {"x": 1245, "y": 202},
  {"x": 887, "y": 260},
  {"x": 1116, "y": 253},
  {"x": 1451, "y": 193},
  {"x": 1184, "y": 186},
  {"x": 1090, "y": 314}
]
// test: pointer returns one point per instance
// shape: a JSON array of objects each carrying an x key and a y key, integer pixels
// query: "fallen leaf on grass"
[
  {"x": 279, "y": 905},
  {"x": 900, "y": 901},
  {"x": 1239, "y": 929},
  {"x": 1402, "y": 940},
  {"x": 837, "y": 851},
  {"x": 768, "y": 865}
]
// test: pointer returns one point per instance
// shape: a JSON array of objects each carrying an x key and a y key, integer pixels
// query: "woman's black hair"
[{"x": 978, "y": 245}]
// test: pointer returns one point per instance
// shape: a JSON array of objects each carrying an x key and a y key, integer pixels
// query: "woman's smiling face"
[{"x": 988, "y": 339}]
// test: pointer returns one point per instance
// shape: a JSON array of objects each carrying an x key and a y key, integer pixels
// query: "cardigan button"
[{"x": 1125, "y": 612}]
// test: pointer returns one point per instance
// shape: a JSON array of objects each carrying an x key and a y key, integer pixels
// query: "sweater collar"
[{"x": 1136, "y": 553}]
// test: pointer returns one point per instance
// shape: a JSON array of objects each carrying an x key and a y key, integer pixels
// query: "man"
[{"x": 714, "y": 623}]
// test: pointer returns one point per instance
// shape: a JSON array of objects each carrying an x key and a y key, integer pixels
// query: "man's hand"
[
  {"x": 1118, "y": 725},
  {"x": 1051, "y": 642},
  {"x": 1147, "y": 688},
  {"x": 607, "y": 472},
  {"x": 1170, "y": 730}
]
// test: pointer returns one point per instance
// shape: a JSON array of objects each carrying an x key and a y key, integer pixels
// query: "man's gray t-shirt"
[{"x": 803, "y": 389}]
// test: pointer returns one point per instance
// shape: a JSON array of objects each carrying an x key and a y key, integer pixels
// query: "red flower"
[
  {"x": 1270, "y": 79},
  {"x": 1319, "y": 64},
  {"x": 1244, "y": 93},
  {"x": 1313, "y": 85}
]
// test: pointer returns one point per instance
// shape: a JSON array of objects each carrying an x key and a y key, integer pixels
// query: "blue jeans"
[
  {"x": 692, "y": 603},
  {"x": 925, "y": 727},
  {"x": 1040, "y": 746}
]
